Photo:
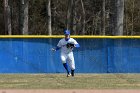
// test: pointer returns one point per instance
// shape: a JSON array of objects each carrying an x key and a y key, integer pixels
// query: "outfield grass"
[{"x": 60, "y": 81}]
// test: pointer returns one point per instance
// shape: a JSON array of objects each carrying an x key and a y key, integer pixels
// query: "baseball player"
[{"x": 66, "y": 45}]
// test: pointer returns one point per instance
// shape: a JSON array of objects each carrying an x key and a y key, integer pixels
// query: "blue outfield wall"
[{"x": 94, "y": 56}]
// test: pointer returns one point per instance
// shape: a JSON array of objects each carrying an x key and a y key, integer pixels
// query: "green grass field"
[{"x": 60, "y": 81}]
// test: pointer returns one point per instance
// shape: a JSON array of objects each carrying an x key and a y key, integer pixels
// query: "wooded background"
[{"x": 82, "y": 17}]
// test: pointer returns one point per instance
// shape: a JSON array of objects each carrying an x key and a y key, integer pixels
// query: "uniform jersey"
[{"x": 62, "y": 44}]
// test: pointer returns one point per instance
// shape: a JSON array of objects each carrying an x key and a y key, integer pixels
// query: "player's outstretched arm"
[
  {"x": 55, "y": 49},
  {"x": 77, "y": 45}
]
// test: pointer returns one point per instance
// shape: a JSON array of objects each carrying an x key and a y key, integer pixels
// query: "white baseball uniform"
[{"x": 67, "y": 53}]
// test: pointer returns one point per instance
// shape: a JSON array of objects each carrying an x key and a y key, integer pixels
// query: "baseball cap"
[{"x": 67, "y": 32}]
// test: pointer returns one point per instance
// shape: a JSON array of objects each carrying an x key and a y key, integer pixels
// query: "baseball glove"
[{"x": 69, "y": 45}]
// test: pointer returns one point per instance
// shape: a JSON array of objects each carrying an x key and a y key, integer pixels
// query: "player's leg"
[
  {"x": 71, "y": 63},
  {"x": 63, "y": 59}
]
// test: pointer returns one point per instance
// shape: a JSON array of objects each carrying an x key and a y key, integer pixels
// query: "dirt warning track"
[{"x": 69, "y": 91}]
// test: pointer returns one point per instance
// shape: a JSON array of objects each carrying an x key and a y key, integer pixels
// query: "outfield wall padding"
[{"x": 34, "y": 55}]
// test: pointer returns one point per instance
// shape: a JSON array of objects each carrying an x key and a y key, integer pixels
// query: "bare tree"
[
  {"x": 83, "y": 21},
  {"x": 23, "y": 17},
  {"x": 103, "y": 17},
  {"x": 49, "y": 18},
  {"x": 116, "y": 17},
  {"x": 69, "y": 20},
  {"x": 120, "y": 16},
  {"x": 7, "y": 17},
  {"x": 132, "y": 14},
  {"x": 85, "y": 17}
]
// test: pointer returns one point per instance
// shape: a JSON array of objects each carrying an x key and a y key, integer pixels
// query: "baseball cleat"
[
  {"x": 68, "y": 75},
  {"x": 72, "y": 75}
]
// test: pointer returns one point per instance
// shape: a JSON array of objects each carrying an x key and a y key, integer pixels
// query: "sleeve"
[
  {"x": 59, "y": 44},
  {"x": 57, "y": 48},
  {"x": 75, "y": 43}
]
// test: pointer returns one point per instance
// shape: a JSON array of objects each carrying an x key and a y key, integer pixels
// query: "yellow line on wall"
[{"x": 62, "y": 36}]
